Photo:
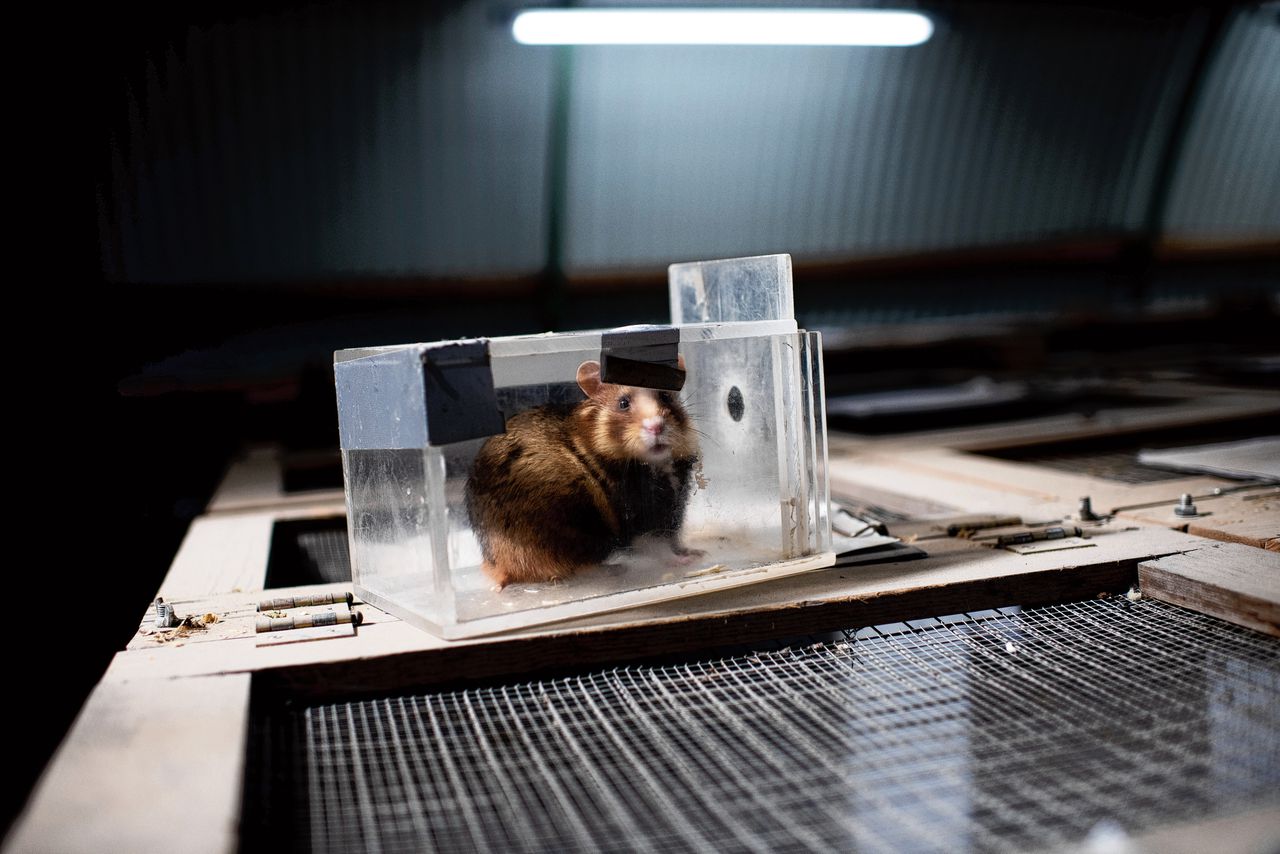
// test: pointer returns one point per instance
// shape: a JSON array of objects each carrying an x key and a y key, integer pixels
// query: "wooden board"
[
  {"x": 228, "y": 552},
  {"x": 976, "y": 484},
  {"x": 1226, "y": 580},
  {"x": 1250, "y": 516},
  {"x": 927, "y": 481},
  {"x": 147, "y": 767},
  {"x": 255, "y": 481},
  {"x": 958, "y": 576},
  {"x": 1200, "y": 405},
  {"x": 1256, "y": 831}
]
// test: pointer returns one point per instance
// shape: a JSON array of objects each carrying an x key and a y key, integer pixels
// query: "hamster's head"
[{"x": 634, "y": 423}]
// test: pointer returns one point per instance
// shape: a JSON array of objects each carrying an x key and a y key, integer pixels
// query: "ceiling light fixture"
[{"x": 721, "y": 27}]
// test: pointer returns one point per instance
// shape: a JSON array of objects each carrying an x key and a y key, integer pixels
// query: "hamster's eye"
[
  {"x": 664, "y": 397},
  {"x": 624, "y": 403}
]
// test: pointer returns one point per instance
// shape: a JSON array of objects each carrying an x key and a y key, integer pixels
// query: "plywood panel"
[
  {"x": 145, "y": 768},
  {"x": 1227, "y": 580},
  {"x": 959, "y": 575},
  {"x": 1249, "y": 516}
]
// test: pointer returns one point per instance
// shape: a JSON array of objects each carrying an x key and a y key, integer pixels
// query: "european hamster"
[{"x": 567, "y": 485}]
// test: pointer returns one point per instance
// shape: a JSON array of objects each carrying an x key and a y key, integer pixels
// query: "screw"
[
  {"x": 1186, "y": 507},
  {"x": 165, "y": 618},
  {"x": 1086, "y": 514}
]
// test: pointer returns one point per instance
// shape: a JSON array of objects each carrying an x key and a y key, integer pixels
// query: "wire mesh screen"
[
  {"x": 1115, "y": 457},
  {"x": 1121, "y": 466},
  {"x": 308, "y": 551},
  {"x": 995, "y": 731}
]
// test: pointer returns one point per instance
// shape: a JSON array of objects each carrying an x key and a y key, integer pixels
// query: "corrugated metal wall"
[
  {"x": 345, "y": 141},
  {"x": 1227, "y": 185},
  {"x": 332, "y": 142},
  {"x": 1000, "y": 129}
]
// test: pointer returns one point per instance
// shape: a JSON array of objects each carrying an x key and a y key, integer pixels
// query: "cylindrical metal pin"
[
  {"x": 1025, "y": 537},
  {"x": 307, "y": 621},
  {"x": 313, "y": 600}
]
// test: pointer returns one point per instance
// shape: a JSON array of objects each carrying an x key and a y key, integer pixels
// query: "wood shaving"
[
  {"x": 183, "y": 629},
  {"x": 719, "y": 567}
]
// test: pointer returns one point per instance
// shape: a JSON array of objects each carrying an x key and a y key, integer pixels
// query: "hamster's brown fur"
[{"x": 565, "y": 486}]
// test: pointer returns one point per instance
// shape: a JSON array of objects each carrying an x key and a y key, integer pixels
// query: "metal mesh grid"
[
  {"x": 1115, "y": 458},
  {"x": 309, "y": 551},
  {"x": 1010, "y": 730},
  {"x": 1120, "y": 466},
  {"x": 327, "y": 553}
]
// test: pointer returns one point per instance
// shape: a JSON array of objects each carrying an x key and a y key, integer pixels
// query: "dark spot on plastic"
[{"x": 736, "y": 405}]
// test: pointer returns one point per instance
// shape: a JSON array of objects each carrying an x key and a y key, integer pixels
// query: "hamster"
[{"x": 567, "y": 485}]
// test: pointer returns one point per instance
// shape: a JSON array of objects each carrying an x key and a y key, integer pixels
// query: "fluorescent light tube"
[{"x": 721, "y": 26}]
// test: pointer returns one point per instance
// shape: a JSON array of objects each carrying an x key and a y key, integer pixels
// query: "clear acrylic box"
[{"x": 414, "y": 419}]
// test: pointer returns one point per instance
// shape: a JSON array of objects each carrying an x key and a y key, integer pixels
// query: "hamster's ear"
[
  {"x": 589, "y": 379},
  {"x": 680, "y": 361}
]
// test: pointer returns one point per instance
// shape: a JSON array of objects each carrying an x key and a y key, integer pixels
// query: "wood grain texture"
[
  {"x": 1250, "y": 517},
  {"x": 1201, "y": 405},
  {"x": 1256, "y": 831},
  {"x": 958, "y": 576},
  {"x": 896, "y": 477},
  {"x": 253, "y": 476},
  {"x": 255, "y": 481},
  {"x": 146, "y": 767},
  {"x": 1234, "y": 582},
  {"x": 228, "y": 552}
]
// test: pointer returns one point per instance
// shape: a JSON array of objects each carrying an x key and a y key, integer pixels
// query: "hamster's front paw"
[
  {"x": 683, "y": 555},
  {"x": 684, "y": 551}
]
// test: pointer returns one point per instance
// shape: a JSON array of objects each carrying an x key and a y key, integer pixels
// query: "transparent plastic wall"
[
  {"x": 756, "y": 509},
  {"x": 731, "y": 290}
]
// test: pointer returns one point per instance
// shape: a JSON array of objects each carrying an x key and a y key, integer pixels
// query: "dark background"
[{"x": 252, "y": 186}]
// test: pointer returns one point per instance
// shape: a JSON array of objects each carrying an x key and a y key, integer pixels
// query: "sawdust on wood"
[{"x": 185, "y": 629}]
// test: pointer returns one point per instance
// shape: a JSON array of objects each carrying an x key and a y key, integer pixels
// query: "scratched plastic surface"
[
  {"x": 758, "y": 507},
  {"x": 731, "y": 290}
]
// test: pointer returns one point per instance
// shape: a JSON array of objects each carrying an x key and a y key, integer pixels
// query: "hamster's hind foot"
[{"x": 512, "y": 564}]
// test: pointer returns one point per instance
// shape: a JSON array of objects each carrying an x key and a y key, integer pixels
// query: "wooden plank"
[
  {"x": 958, "y": 576},
  {"x": 228, "y": 552},
  {"x": 1226, "y": 580},
  {"x": 1249, "y": 516},
  {"x": 250, "y": 479},
  {"x": 1256, "y": 831},
  {"x": 236, "y": 614},
  {"x": 146, "y": 767},
  {"x": 255, "y": 481},
  {"x": 977, "y": 484},
  {"x": 1204, "y": 405},
  {"x": 220, "y": 554}
]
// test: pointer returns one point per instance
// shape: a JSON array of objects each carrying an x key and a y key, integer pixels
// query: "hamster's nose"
[{"x": 654, "y": 426}]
